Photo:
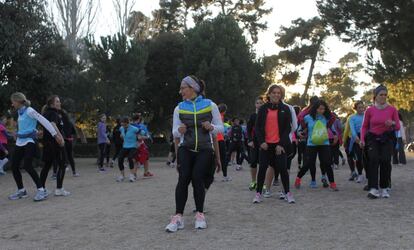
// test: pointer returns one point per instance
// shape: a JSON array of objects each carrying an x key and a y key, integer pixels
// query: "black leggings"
[
  {"x": 335, "y": 153},
  {"x": 254, "y": 155},
  {"x": 69, "y": 154},
  {"x": 194, "y": 167},
  {"x": 301, "y": 151},
  {"x": 279, "y": 164},
  {"x": 292, "y": 155},
  {"x": 104, "y": 150},
  {"x": 126, "y": 152},
  {"x": 350, "y": 155},
  {"x": 118, "y": 148},
  {"x": 25, "y": 153},
  {"x": 379, "y": 155},
  {"x": 238, "y": 147},
  {"x": 399, "y": 154},
  {"x": 359, "y": 159},
  {"x": 324, "y": 154},
  {"x": 222, "y": 149},
  {"x": 53, "y": 153}
]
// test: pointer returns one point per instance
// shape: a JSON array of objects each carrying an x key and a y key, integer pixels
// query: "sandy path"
[{"x": 103, "y": 214}]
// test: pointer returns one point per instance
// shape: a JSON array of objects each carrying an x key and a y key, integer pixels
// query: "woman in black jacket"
[{"x": 273, "y": 126}]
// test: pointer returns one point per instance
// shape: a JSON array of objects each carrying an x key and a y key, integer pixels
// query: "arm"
[
  {"x": 365, "y": 125},
  {"x": 250, "y": 128},
  {"x": 396, "y": 119},
  {"x": 43, "y": 121},
  {"x": 259, "y": 129},
  {"x": 217, "y": 154},
  {"x": 176, "y": 123},
  {"x": 217, "y": 123},
  {"x": 402, "y": 132},
  {"x": 294, "y": 119}
]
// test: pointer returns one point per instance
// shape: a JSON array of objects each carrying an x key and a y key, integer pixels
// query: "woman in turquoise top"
[
  {"x": 355, "y": 124},
  {"x": 319, "y": 113}
]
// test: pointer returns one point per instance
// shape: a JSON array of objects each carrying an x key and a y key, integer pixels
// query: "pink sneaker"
[
  {"x": 200, "y": 221},
  {"x": 177, "y": 223},
  {"x": 257, "y": 198}
]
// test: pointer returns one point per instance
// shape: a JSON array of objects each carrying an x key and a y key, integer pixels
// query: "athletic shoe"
[
  {"x": 373, "y": 193},
  {"x": 324, "y": 181},
  {"x": 173, "y": 165},
  {"x": 353, "y": 176},
  {"x": 313, "y": 184},
  {"x": 102, "y": 170},
  {"x": 200, "y": 221},
  {"x": 289, "y": 198},
  {"x": 282, "y": 195},
  {"x": 46, "y": 192},
  {"x": 176, "y": 223},
  {"x": 333, "y": 186},
  {"x": 264, "y": 189},
  {"x": 148, "y": 174},
  {"x": 132, "y": 178},
  {"x": 2, "y": 170},
  {"x": 111, "y": 165},
  {"x": 227, "y": 178},
  {"x": 40, "y": 196},
  {"x": 257, "y": 198},
  {"x": 360, "y": 179},
  {"x": 53, "y": 177},
  {"x": 385, "y": 194},
  {"x": 267, "y": 194},
  {"x": 18, "y": 195},
  {"x": 366, "y": 188},
  {"x": 120, "y": 179},
  {"x": 276, "y": 183},
  {"x": 297, "y": 182},
  {"x": 238, "y": 167},
  {"x": 343, "y": 161},
  {"x": 75, "y": 174},
  {"x": 61, "y": 192},
  {"x": 252, "y": 186},
  {"x": 335, "y": 166}
]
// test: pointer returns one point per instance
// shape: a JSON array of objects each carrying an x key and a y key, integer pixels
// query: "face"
[
  {"x": 187, "y": 92},
  {"x": 236, "y": 122},
  {"x": 276, "y": 95},
  {"x": 16, "y": 104},
  {"x": 125, "y": 124},
  {"x": 360, "y": 109},
  {"x": 3, "y": 120},
  {"x": 381, "y": 98},
  {"x": 259, "y": 103},
  {"x": 57, "y": 104},
  {"x": 321, "y": 110},
  {"x": 103, "y": 118}
]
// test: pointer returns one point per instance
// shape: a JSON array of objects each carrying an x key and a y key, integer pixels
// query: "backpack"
[
  {"x": 319, "y": 133},
  {"x": 236, "y": 133}
]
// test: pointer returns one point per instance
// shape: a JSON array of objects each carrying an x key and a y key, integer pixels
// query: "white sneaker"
[
  {"x": 227, "y": 178},
  {"x": 61, "y": 192},
  {"x": 238, "y": 167},
  {"x": 282, "y": 195},
  {"x": 200, "y": 221},
  {"x": 360, "y": 179},
  {"x": 257, "y": 198},
  {"x": 385, "y": 194},
  {"x": 120, "y": 179},
  {"x": 373, "y": 193},
  {"x": 176, "y": 223},
  {"x": 336, "y": 166},
  {"x": 267, "y": 194},
  {"x": 132, "y": 178},
  {"x": 289, "y": 198}
]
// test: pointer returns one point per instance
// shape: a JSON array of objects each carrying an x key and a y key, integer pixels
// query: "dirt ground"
[{"x": 103, "y": 214}]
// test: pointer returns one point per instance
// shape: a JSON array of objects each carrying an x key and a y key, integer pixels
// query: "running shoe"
[
  {"x": 120, "y": 179},
  {"x": 324, "y": 181},
  {"x": 289, "y": 198},
  {"x": 252, "y": 186},
  {"x": 132, "y": 178},
  {"x": 76, "y": 174},
  {"x": 2, "y": 170},
  {"x": 238, "y": 167},
  {"x": 111, "y": 165},
  {"x": 264, "y": 188},
  {"x": 333, "y": 186},
  {"x": 102, "y": 170},
  {"x": 227, "y": 178},
  {"x": 366, "y": 188},
  {"x": 148, "y": 174},
  {"x": 282, "y": 195},
  {"x": 385, "y": 194},
  {"x": 176, "y": 223},
  {"x": 40, "y": 196},
  {"x": 18, "y": 195},
  {"x": 46, "y": 192},
  {"x": 360, "y": 179},
  {"x": 335, "y": 166},
  {"x": 257, "y": 198},
  {"x": 313, "y": 184},
  {"x": 53, "y": 176},
  {"x": 61, "y": 192},
  {"x": 297, "y": 182},
  {"x": 276, "y": 183},
  {"x": 200, "y": 221},
  {"x": 353, "y": 176},
  {"x": 373, "y": 193},
  {"x": 267, "y": 194}
]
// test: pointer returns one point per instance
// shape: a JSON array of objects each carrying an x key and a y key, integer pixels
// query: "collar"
[
  {"x": 22, "y": 110},
  {"x": 197, "y": 99}
]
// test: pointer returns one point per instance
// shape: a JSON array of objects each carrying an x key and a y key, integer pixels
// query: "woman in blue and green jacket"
[{"x": 196, "y": 120}]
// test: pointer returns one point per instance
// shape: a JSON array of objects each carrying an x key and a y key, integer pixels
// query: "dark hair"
[
  {"x": 313, "y": 100},
  {"x": 357, "y": 103},
  {"x": 261, "y": 98},
  {"x": 222, "y": 107},
  {"x": 234, "y": 119},
  {"x": 136, "y": 116},
  {"x": 400, "y": 116},
  {"x": 315, "y": 107},
  {"x": 201, "y": 83},
  {"x": 125, "y": 119},
  {"x": 270, "y": 90},
  {"x": 297, "y": 109},
  {"x": 241, "y": 122},
  {"x": 50, "y": 100},
  {"x": 118, "y": 120}
]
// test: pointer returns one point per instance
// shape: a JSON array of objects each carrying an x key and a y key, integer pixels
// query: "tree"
[
  {"x": 401, "y": 95},
  {"x": 33, "y": 57},
  {"x": 75, "y": 20},
  {"x": 123, "y": 9},
  {"x": 339, "y": 83},
  {"x": 117, "y": 71},
  {"x": 217, "y": 52},
  {"x": 385, "y": 26},
  {"x": 302, "y": 42}
]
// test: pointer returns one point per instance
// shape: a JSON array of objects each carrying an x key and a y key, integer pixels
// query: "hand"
[
  {"x": 251, "y": 144},
  {"x": 207, "y": 126},
  {"x": 357, "y": 140},
  {"x": 6, "y": 152},
  {"x": 264, "y": 146},
  {"x": 218, "y": 165},
  {"x": 389, "y": 123},
  {"x": 279, "y": 150},
  {"x": 301, "y": 135},
  {"x": 108, "y": 141},
  {"x": 335, "y": 141},
  {"x": 362, "y": 144},
  {"x": 182, "y": 129},
  {"x": 59, "y": 140}
]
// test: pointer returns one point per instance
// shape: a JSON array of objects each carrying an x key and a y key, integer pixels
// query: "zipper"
[{"x": 195, "y": 127}]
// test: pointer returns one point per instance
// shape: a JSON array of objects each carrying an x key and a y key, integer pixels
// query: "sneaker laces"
[
  {"x": 175, "y": 219},
  {"x": 200, "y": 216}
]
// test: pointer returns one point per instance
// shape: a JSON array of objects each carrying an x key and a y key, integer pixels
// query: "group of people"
[{"x": 275, "y": 133}]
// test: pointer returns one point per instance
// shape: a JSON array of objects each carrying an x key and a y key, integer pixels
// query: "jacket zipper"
[{"x": 195, "y": 127}]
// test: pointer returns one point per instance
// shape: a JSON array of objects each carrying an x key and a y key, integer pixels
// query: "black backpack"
[{"x": 236, "y": 133}]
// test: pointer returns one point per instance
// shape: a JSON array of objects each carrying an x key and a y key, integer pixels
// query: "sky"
[{"x": 283, "y": 13}]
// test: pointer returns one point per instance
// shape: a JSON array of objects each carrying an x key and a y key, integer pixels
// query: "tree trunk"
[{"x": 312, "y": 67}]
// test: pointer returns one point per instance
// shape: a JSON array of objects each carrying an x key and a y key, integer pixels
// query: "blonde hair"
[
  {"x": 271, "y": 88},
  {"x": 21, "y": 98}
]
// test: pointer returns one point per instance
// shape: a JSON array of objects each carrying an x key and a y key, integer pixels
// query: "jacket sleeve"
[
  {"x": 250, "y": 128},
  {"x": 284, "y": 134},
  {"x": 260, "y": 124}
]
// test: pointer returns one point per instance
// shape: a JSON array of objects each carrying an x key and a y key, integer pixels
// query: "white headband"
[{"x": 192, "y": 83}]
